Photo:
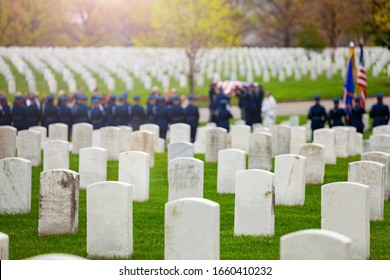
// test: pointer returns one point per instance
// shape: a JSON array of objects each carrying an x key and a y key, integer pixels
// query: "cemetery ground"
[{"x": 148, "y": 219}]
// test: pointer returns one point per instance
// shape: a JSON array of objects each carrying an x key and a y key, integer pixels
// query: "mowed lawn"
[{"x": 148, "y": 219}]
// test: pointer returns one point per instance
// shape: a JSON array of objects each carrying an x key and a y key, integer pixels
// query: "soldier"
[
  {"x": 162, "y": 117},
  {"x": 151, "y": 109},
  {"x": 357, "y": 113},
  {"x": 96, "y": 114},
  {"x": 137, "y": 113},
  {"x": 243, "y": 102},
  {"x": 223, "y": 115},
  {"x": 32, "y": 112},
  {"x": 121, "y": 112},
  {"x": 80, "y": 109},
  {"x": 19, "y": 113},
  {"x": 212, "y": 102},
  {"x": 191, "y": 113},
  {"x": 317, "y": 114},
  {"x": 5, "y": 111},
  {"x": 65, "y": 113},
  {"x": 49, "y": 111},
  {"x": 176, "y": 112},
  {"x": 379, "y": 112},
  {"x": 109, "y": 108},
  {"x": 256, "y": 102},
  {"x": 336, "y": 114}
]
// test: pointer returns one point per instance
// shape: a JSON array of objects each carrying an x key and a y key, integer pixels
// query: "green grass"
[{"x": 148, "y": 219}]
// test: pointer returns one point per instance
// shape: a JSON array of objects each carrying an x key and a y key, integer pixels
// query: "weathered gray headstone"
[
  {"x": 341, "y": 141},
  {"x": 7, "y": 141},
  {"x": 326, "y": 137},
  {"x": 372, "y": 174},
  {"x": 56, "y": 155},
  {"x": 381, "y": 129},
  {"x": 297, "y": 138},
  {"x": 58, "y": 131},
  {"x": 82, "y": 136},
  {"x": 315, "y": 244},
  {"x": 315, "y": 162},
  {"x": 380, "y": 143},
  {"x": 109, "y": 140},
  {"x": 383, "y": 158},
  {"x": 124, "y": 138},
  {"x": 15, "y": 185},
  {"x": 180, "y": 149},
  {"x": 240, "y": 137},
  {"x": 280, "y": 139},
  {"x": 185, "y": 178},
  {"x": 290, "y": 179},
  {"x": 43, "y": 131},
  {"x": 4, "y": 245},
  {"x": 192, "y": 229},
  {"x": 29, "y": 146},
  {"x": 58, "y": 202},
  {"x": 92, "y": 166},
  {"x": 134, "y": 170},
  {"x": 143, "y": 141},
  {"x": 345, "y": 208},
  {"x": 216, "y": 139},
  {"x": 254, "y": 203},
  {"x": 109, "y": 220},
  {"x": 230, "y": 161},
  {"x": 260, "y": 151},
  {"x": 179, "y": 132}
]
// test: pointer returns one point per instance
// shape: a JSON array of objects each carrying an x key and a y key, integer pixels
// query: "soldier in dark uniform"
[
  {"x": 191, "y": 113},
  {"x": 256, "y": 102},
  {"x": 96, "y": 114},
  {"x": 121, "y": 112},
  {"x": 32, "y": 113},
  {"x": 162, "y": 117},
  {"x": 356, "y": 119},
  {"x": 5, "y": 111},
  {"x": 80, "y": 109},
  {"x": 19, "y": 118},
  {"x": 336, "y": 114},
  {"x": 151, "y": 109},
  {"x": 49, "y": 112},
  {"x": 380, "y": 112},
  {"x": 221, "y": 96},
  {"x": 212, "y": 102},
  {"x": 317, "y": 114},
  {"x": 176, "y": 112},
  {"x": 243, "y": 102},
  {"x": 109, "y": 108},
  {"x": 65, "y": 113},
  {"x": 137, "y": 114},
  {"x": 223, "y": 115}
]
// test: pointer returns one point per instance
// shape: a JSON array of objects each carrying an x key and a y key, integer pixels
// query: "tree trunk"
[{"x": 191, "y": 54}]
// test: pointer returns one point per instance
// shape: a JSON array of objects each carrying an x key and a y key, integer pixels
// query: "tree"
[
  {"x": 309, "y": 38},
  {"x": 192, "y": 25}
]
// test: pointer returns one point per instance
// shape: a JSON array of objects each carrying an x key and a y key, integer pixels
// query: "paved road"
[{"x": 289, "y": 108}]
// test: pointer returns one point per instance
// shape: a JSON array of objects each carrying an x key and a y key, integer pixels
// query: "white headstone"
[
  {"x": 372, "y": 174},
  {"x": 58, "y": 131},
  {"x": 109, "y": 220},
  {"x": 315, "y": 244},
  {"x": 154, "y": 129},
  {"x": 366, "y": 146},
  {"x": 160, "y": 146},
  {"x": 326, "y": 137},
  {"x": 4, "y": 245},
  {"x": 351, "y": 140},
  {"x": 345, "y": 208},
  {"x": 58, "y": 202},
  {"x": 7, "y": 141},
  {"x": 380, "y": 143},
  {"x": 179, "y": 132},
  {"x": 82, "y": 136},
  {"x": 96, "y": 138},
  {"x": 143, "y": 141},
  {"x": 230, "y": 161},
  {"x": 180, "y": 149},
  {"x": 15, "y": 185},
  {"x": 254, "y": 203},
  {"x": 29, "y": 146},
  {"x": 185, "y": 178},
  {"x": 315, "y": 163},
  {"x": 297, "y": 138},
  {"x": 260, "y": 151},
  {"x": 294, "y": 121},
  {"x": 109, "y": 140},
  {"x": 359, "y": 143},
  {"x": 134, "y": 170},
  {"x": 192, "y": 229},
  {"x": 57, "y": 257},
  {"x": 215, "y": 141},
  {"x": 290, "y": 180},
  {"x": 341, "y": 141},
  {"x": 383, "y": 158},
  {"x": 43, "y": 131},
  {"x": 261, "y": 129},
  {"x": 381, "y": 129},
  {"x": 240, "y": 137},
  {"x": 56, "y": 155},
  {"x": 92, "y": 166},
  {"x": 280, "y": 139},
  {"x": 124, "y": 138}
]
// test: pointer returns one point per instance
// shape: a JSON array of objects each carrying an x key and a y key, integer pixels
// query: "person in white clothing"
[{"x": 269, "y": 110}]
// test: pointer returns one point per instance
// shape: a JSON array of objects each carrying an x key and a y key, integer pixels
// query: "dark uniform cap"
[
  {"x": 191, "y": 97},
  {"x": 2, "y": 98},
  {"x": 336, "y": 99},
  {"x": 176, "y": 97},
  {"x": 357, "y": 98},
  {"x": 112, "y": 97},
  {"x": 96, "y": 100},
  {"x": 317, "y": 97},
  {"x": 136, "y": 97},
  {"x": 84, "y": 97},
  {"x": 50, "y": 97},
  {"x": 31, "y": 97},
  {"x": 380, "y": 95}
]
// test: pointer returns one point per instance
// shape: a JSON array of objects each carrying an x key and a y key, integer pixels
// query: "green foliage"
[{"x": 310, "y": 39}]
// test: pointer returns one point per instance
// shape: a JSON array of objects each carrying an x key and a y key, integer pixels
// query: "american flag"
[
  {"x": 228, "y": 86},
  {"x": 362, "y": 78}
]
